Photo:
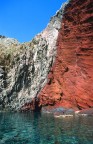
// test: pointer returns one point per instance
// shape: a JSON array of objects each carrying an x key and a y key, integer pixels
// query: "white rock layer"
[{"x": 31, "y": 66}]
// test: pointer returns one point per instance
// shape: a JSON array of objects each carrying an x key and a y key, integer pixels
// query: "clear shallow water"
[{"x": 29, "y": 128}]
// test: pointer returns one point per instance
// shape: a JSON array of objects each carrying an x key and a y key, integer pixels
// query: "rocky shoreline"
[{"x": 65, "y": 113}]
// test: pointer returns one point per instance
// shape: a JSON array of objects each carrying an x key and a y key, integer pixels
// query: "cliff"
[
  {"x": 70, "y": 81},
  {"x": 24, "y": 67},
  {"x": 55, "y": 69}
]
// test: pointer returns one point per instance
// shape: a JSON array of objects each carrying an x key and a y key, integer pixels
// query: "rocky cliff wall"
[
  {"x": 24, "y": 67},
  {"x": 55, "y": 68},
  {"x": 70, "y": 81}
]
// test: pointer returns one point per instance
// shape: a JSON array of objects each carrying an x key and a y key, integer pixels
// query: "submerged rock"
[{"x": 86, "y": 112}]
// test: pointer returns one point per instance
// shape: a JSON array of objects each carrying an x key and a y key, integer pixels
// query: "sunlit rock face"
[
  {"x": 70, "y": 80},
  {"x": 55, "y": 69},
  {"x": 24, "y": 67}
]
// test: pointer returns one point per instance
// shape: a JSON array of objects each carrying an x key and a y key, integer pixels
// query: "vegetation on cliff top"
[{"x": 11, "y": 54}]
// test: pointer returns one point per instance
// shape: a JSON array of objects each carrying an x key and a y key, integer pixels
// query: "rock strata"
[
  {"x": 70, "y": 81},
  {"x": 55, "y": 69}
]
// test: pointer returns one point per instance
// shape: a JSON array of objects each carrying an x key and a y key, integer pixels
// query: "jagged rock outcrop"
[
  {"x": 70, "y": 81},
  {"x": 24, "y": 67}
]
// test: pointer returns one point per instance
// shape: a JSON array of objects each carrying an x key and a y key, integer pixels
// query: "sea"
[{"x": 43, "y": 128}]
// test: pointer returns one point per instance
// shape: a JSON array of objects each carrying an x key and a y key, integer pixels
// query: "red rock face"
[{"x": 70, "y": 81}]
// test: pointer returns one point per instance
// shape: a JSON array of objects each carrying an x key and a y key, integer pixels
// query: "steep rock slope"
[
  {"x": 55, "y": 68},
  {"x": 24, "y": 67},
  {"x": 70, "y": 81}
]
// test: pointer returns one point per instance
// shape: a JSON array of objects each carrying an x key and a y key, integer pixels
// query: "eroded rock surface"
[
  {"x": 55, "y": 69},
  {"x": 24, "y": 67},
  {"x": 70, "y": 81}
]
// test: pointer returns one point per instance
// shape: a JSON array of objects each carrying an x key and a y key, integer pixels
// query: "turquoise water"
[{"x": 30, "y": 128}]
